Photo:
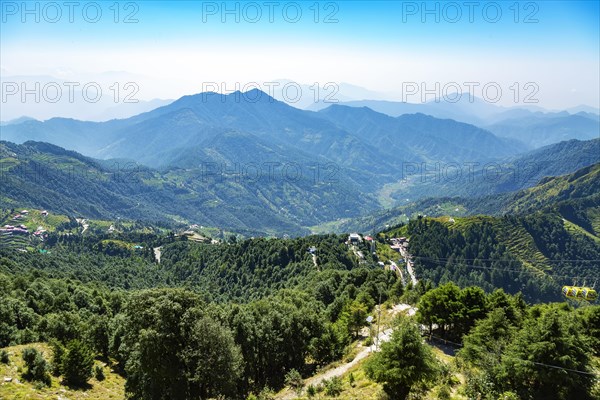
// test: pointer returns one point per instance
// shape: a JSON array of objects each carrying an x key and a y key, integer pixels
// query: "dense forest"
[
  {"x": 535, "y": 254},
  {"x": 86, "y": 294},
  {"x": 242, "y": 318},
  {"x": 260, "y": 310}
]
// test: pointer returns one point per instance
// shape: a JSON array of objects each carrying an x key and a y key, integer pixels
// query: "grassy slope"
[
  {"x": 113, "y": 387},
  {"x": 514, "y": 236},
  {"x": 365, "y": 389},
  {"x": 581, "y": 184}
]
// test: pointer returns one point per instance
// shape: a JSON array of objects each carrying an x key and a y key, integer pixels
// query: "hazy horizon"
[{"x": 168, "y": 50}]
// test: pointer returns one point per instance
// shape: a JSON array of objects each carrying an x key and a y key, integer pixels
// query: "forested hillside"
[
  {"x": 501, "y": 176},
  {"x": 290, "y": 307},
  {"x": 543, "y": 238},
  {"x": 265, "y": 314},
  {"x": 40, "y": 175},
  {"x": 94, "y": 303},
  {"x": 337, "y": 200},
  {"x": 535, "y": 255}
]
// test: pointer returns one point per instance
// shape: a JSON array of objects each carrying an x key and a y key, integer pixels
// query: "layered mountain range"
[{"x": 248, "y": 162}]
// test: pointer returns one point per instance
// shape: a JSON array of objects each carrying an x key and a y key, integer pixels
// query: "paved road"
[
  {"x": 157, "y": 254},
  {"x": 411, "y": 272},
  {"x": 83, "y": 223},
  {"x": 409, "y": 266}
]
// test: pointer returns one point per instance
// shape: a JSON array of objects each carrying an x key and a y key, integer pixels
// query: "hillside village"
[{"x": 402, "y": 264}]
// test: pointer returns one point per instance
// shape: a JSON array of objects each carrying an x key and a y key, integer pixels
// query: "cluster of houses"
[
  {"x": 40, "y": 233},
  {"x": 399, "y": 244},
  {"x": 20, "y": 215},
  {"x": 21, "y": 229},
  {"x": 356, "y": 239},
  {"x": 14, "y": 230}
]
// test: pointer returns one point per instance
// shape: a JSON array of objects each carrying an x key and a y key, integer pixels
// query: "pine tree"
[
  {"x": 403, "y": 363},
  {"x": 77, "y": 363}
]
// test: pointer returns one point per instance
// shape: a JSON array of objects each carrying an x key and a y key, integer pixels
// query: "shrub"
[
  {"x": 294, "y": 380},
  {"x": 37, "y": 368},
  {"x": 444, "y": 393},
  {"x": 508, "y": 396},
  {"x": 333, "y": 386},
  {"x": 266, "y": 394},
  {"x": 99, "y": 373},
  {"x": 4, "y": 358}
]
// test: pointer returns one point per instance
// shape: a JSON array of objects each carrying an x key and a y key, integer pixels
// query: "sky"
[{"x": 510, "y": 53}]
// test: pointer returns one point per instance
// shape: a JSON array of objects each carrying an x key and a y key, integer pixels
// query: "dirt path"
[
  {"x": 338, "y": 371},
  {"x": 384, "y": 336}
]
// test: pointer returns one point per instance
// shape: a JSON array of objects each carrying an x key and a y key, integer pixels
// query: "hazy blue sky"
[{"x": 175, "y": 47}]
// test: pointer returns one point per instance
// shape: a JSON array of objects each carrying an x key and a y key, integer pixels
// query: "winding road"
[{"x": 409, "y": 265}]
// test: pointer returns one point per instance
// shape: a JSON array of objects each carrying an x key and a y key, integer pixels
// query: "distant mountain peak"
[
  {"x": 248, "y": 97},
  {"x": 339, "y": 108},
  {"x": 253, "y": 96},
  {"x": 17, "y": 121}
]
